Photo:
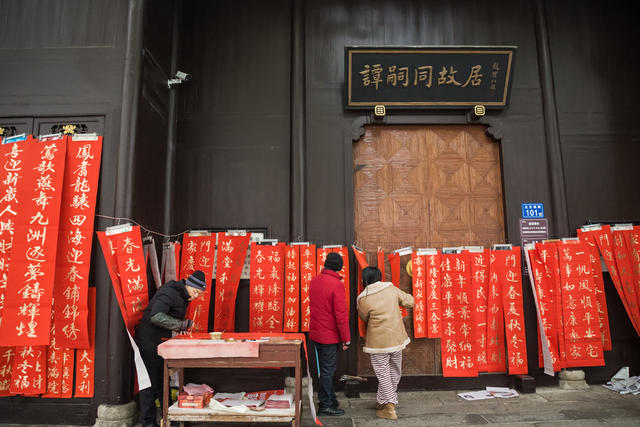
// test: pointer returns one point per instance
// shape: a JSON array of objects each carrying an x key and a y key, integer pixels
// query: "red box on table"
[{"x": 193, "y": 400}]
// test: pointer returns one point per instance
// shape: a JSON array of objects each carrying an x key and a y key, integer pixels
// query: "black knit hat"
[
  {"x": 197, "y": 280},
  {"x": 333, "y": 261}
]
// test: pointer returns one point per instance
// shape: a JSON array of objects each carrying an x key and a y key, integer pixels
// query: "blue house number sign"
[{"x": 533, "y": 210}]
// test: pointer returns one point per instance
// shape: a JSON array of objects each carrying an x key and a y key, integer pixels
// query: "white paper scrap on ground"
[
  {"x": 476, "y": 395},
  {"x": 630, "y": 385},
  {"x": 502, "y": 392}
]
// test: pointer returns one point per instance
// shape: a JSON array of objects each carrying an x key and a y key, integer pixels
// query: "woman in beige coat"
[{"x": 378, "y": 306}]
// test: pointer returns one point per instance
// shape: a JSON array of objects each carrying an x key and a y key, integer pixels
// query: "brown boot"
[
  {"x": 387, "y": 412},
  {"x": 379, "y": 405}
]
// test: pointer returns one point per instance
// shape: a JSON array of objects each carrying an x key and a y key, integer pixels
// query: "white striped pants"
[{"x": 388, "y": 369}]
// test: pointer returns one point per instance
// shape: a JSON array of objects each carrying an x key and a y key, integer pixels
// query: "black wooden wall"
[{"x": 267, "y": 86}]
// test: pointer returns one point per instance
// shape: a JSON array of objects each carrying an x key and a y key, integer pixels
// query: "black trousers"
[
  {"x": 327, "y": 360},
  {"x": 148, "y": 396}
]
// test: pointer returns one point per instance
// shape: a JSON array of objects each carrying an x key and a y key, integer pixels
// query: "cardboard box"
[{"x": 193, "y": 401}]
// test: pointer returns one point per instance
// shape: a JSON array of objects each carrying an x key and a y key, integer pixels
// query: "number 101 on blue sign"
[{"x": 533, "y": 210}]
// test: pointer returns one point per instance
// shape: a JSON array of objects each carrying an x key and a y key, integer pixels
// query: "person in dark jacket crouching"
[
  {"x": 328, "y": 328},
  {"x": 165, "y": 313}
]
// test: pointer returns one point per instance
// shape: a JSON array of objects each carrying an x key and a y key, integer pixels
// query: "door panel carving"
[{"x": 432, "y": 186}]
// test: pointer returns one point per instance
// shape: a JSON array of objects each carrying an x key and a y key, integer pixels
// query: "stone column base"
[
  {"x": 572, "y": 380},
  {"x": 125, "y": 415}
]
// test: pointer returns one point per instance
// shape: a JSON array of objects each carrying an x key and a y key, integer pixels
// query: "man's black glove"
[{"x": 185, "y": 325}]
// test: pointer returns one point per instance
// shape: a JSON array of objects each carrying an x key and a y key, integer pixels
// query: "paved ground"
[{"x": 547, "y": 407}]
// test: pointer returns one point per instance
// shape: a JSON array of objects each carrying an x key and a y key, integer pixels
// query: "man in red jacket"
[{"x": 328, "y": 328}]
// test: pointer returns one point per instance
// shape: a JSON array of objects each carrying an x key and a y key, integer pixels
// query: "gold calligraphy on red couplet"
[
  {"x": 6, "y": 364},
  {"x": 79, "y": 191},
  {"x": 28, "y": 299},
  {"x": 361, "y": 258},
  {"x": 292, "y": 288},
  {"x": 28, "y": 373},
  {"x": 322, "y": 256},
  {"x": 545, "y": 296},
  {"x": 108, "y": 245},
  {"x": 12, "y": 160},
  {"x": 495, "y": 321},
  {"x": 307, "y": 271},
  {"x": 458, "y": 344},
  {"x": 509, "y": 274},
  {"x": 604, "y": 238},
  {"x": 480, "y": 288},
  {"x": 198, "y": 254},
  {"x": 434, "y": 309},
  {"x": 596, "y": 271},
  {"x": 54, "y": 365},
  {"x": 583, "y": 342},
  {"x": 548, "y": 253},
  {"x": 394, "y": 264},
  {"x": 344, "y": 273},
  {"x": 133, "y": 274},
  {"x": 85, "y": 358},
  {"x": 232, "y": 251},
  {"x": 66, "y": 385},
  {"x": 266, "y": 288},
  {"x": 622, "y": 253},
  {"x": 418, "y": 278},
  {"x": 380, "y": 258}
]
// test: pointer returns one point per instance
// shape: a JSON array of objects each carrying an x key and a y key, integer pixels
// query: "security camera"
[
  {"x": 180, "y": 78},
  {"x": 183, "y": 76}
]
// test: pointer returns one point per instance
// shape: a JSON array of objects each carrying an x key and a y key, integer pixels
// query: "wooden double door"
[{"x": 425, "y": 187}]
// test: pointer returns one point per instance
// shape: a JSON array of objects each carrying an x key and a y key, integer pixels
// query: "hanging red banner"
[
  {"x": 381, "y": 263},
  {"x": 85, "y": 358},
  {"x": 6, "y": 364},
  {"x": 394, "y": 264},
  {"x": 604, "y": 239},
  {"x": 198, "y": 254},
  {"x": 361, "y": 258},
  {"x": 322, "y": 256},
  {"x": 108, "y": 245},
  {"x": 307, "y": 272},
  {"x": 344, "y": 273},
  {"x": 419, "y": 276},
  {"x": 292, "y": 288},
  {"x": 509, "y": 270},
  {"x": 458, "y": 344},
  {"x": 28, "y": 299},
  {"x": 266, "y": 288},
  {"x": 548, "y": 253},
  {"x": 133, "y": 274},
  {"x": 28, "y": 373},
  {"x": 622, "y": 253},
  {"x": 54, "y": 366},
  {"x": 434, "y": 309},
  {"x": 596, "y": 271},
  {"x": 66, "y": 386},
  {"x": 480, "y": 290},
  {"x": 79, "y": 192},
  {"x": 545, "y": 305},
  {"x": 495, "y": 321},
  {"x": 12, "y": 159},
  {"x": 232, "y": 252},
  {"x": 583, "y": 342}
]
